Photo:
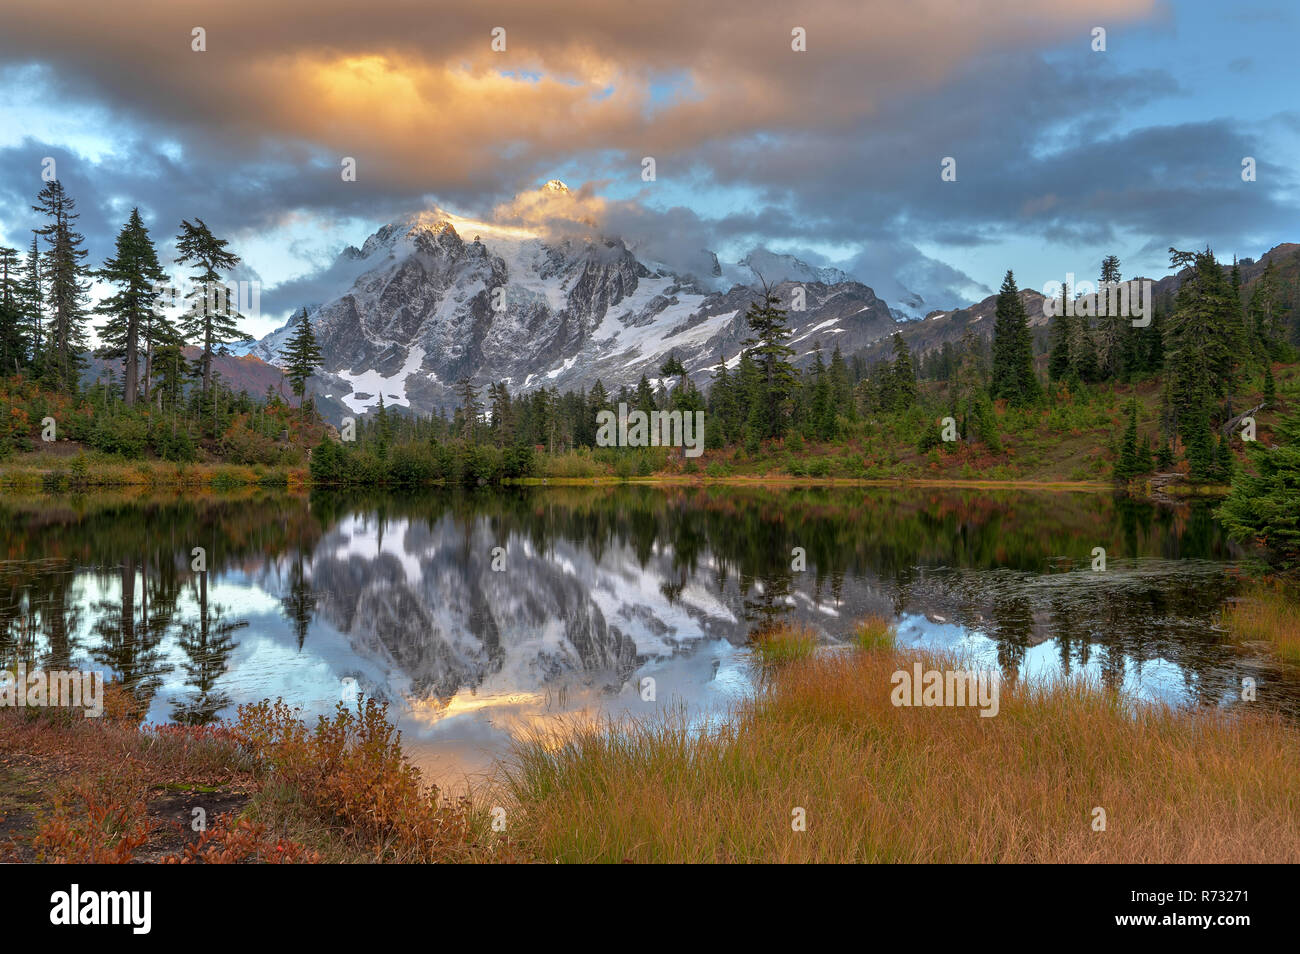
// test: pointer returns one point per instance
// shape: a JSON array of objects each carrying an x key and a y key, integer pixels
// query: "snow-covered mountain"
[{"x": 436, "y": 297}]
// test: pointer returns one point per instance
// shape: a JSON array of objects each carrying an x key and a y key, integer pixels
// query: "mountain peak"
[{"x": 555, "y": 185}]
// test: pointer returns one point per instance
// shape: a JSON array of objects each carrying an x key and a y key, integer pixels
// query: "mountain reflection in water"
[{"x": 475, "y": 616}]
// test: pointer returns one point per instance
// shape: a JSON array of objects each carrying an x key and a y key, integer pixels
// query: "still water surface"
[{"x": 476, "y": 616}]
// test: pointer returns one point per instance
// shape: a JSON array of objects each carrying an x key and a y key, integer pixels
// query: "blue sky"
[{"x": 1063, "y": 154}]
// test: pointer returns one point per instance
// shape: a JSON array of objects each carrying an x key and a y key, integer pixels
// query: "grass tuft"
[{"x": 781, "y": 642}]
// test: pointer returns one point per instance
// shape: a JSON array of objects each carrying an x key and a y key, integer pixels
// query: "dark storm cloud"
[{"x": 837, "y": 147}]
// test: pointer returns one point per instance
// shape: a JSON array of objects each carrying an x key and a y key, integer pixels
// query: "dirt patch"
[
  {"x": 174, "y": 817},
  {"x": 24, "y": 784}
]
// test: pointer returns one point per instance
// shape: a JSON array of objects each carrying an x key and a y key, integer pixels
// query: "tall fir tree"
[
  {"x": 210, "y": 321},
  {"x": 1264, "y": 505},
  {"x": 1013, "y": 355},
  {"x": 31, "y": 302},
  {"x": 841, "y": 385},
  {"x": 65, "y": 286},
  {"x": 1059, "y": 365},
  {"x": 1198, "y": 348},
  {"x": 1110, "y": 327},
  {"x": 470, "y": 406},
  {"x": 769, "y": 412},
  {"x": 301, "y": 356},
  {"x": 13, "y": 327},
  {"x": 133, "y": 268}
]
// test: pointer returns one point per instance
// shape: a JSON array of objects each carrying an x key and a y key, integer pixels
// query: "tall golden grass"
[
  {"x": 1267, "y": 613},
  {"x": 883, "y": 784}
]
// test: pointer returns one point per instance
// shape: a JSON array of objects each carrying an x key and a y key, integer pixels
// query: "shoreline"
[{"x": 151, "y": 475}]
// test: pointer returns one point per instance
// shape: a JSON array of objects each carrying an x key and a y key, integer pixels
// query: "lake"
[{"x": 479, "y": 615}]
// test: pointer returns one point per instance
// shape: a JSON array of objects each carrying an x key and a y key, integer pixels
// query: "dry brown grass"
[
  {"x": 885, "y": 784},
  {"x": 1270, "y": 614}
]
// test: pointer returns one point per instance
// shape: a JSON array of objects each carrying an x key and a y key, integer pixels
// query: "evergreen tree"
[
  {"x": 1198, "y": 350},
  {"x": 722, "y": 425},
  {"x": 821, "y": 413},
  {"x": 1110, "y": 328},
  {"x": 645, "y": 395},
  {"x": 1083, "y": 350},
  {"x": 841, "y": 386},
  {"x": 901, "y": 376},
  {"x": 13, "y": 340},
  {"x": 1265, "y": 505},
  {"x": 470, "y": 406},
  {"x": 168, "y": 369},
  {"x": 1013, "y": 355},
  {"x": 503, "y": 412},
  {"x": 13, "y": 327},
  {"x": 134, "y": 269},
  {"x": 301, "y": 356},
  {"x": 8, "y": 275},
  {"x": 1126, "y": 466},
  {"x": 210, "y": 320},
  {"x": 31, "y": 303},
  {"x": 65, "y": 286},
  {"x": 1058, "y": 360},
  {"x": 1198, "y": 444},
  {"x": 1145, "y": 458},
  {"x": 1224, "y": 463},
  {"x": 1264, "y": 312},
  {"x": 770, "y": 410}
]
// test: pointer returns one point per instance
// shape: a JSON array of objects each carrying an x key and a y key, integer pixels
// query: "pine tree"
[
  {"x": 722, "y": 425},
  {"x": 1265, "y": 505},
  {"x": 134, "y": 269},
  {"x": 1264, "y": 311},
  {"x": 1198, "y": 352},
  {"x": 8, "y": 275},
  {"x": 13, "y": 341},
  {"x": 470, "y": 406},
  {"x": 1145, "y": 458},
  {"x": 65, "y": 286},
  {"x": 901, "y": 376},
  {"x": 769, "y": 415},
  {"x": 821, "y": 414},
  {"x": 841, "y": 386},
  {"x": 1110, "y": 328},
  {"x": 301, "y": 356},
  {"x": 503, "y": 412},
  {"x": 1198, "y": 445},
  {"x": 1058, "y": 360},
  {"x": 1270, "y": 386},
  {"x": 1224, "y": 463},
  {"x": 31, "y": 302},
  {"x": 168, "y": 370},
  {"x": 645, "y": 395},
  {"x": 1013, "y": 356},
  {"x": 1126, "y": 466},
  {"x": 13, "y": 327},
  {"x": 210, "y": 320}
]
